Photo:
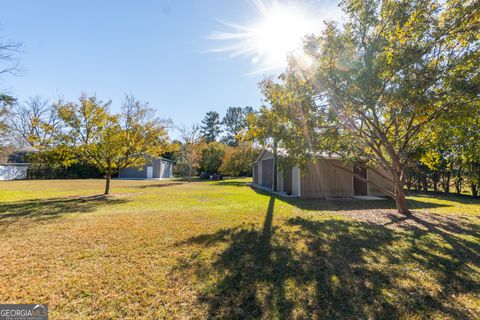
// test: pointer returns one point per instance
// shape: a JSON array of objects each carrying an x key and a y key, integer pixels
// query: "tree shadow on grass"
[
  {"x": 460, "y": 198},
  {"x": 160, "y": 185},
  {"x": 190, "y": 179},
  {"x": 249, "y": 259},
  {"x": 450, "y": 247},
  {"x": 44, "y": 209},
  {"x": 330, "y": 269},
  {"x": 345, "y": 204},
  {"x": 231, "y": 183}
]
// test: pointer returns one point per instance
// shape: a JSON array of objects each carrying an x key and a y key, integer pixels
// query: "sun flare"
[{"x": 269, "y": 40}]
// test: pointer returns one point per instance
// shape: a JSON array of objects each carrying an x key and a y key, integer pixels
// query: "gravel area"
[{"x": 420, "y": 219}]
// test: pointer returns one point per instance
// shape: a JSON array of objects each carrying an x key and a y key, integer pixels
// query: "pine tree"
[{"x": 210, "y": 128}]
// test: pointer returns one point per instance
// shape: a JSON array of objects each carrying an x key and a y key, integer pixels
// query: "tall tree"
[
  {"x": 8, "y": 63},
  {"x": 235, "y": 121},
  {"x": 191, "y": 146},
  {"x": 452, "y": 148},
  {"x": 145, "y": 133},
  {"x": 111, "y": 141},
  {"x": 6, "y": 102},
  {"x": 212, "y": 157},
  {"x": 35, "y": 123},
  {"x": 238, "y": 161},
  {"x": 210, "y": 128},
  {"x": 381, "y": 80}
]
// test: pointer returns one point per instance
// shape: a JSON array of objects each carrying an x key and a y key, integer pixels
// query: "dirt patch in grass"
[{"x": 421, "y": 220}]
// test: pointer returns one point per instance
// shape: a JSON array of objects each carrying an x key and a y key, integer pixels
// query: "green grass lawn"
[{"x": 173, "y": 249}]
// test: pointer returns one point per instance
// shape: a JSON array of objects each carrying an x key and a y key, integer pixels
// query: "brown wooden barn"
[{"x": 320, "y": 179}]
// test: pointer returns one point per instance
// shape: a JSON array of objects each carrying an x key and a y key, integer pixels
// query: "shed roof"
[{"x": 284, "y": 153}]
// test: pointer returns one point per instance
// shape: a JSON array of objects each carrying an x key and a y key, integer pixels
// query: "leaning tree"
[{"x": 373, "y": 87}]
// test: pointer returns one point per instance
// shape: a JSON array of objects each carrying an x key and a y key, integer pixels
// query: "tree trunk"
[
  {"x": 399, "y": 198},
  {"x": 458, "y": 185},
  {"x": 458, "y": 188},
  {"x": 446, "y": 183},
  {"x": 275, "y": 167},
  {"x": 474, "y": 188},
  {"x": 107, "y": 183},
  {"x": 425, "y": 184},
  {"x": 435, "y": 179},
  {"x": 401, "y": 201}
]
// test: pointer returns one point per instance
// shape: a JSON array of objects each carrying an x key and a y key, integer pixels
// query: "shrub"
[{"x": 238, "y": 161}]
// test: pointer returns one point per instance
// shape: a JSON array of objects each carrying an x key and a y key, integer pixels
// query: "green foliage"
[
  {"x": 237, "y": 161},
  {"x": 144, "y": 132},
  {"x": 35, "y": 123},
  {"x": 212, "y": 157},
  {"x": 294, "y": 119},
  {"x": 373, "y": 87},
  {"x": 6, "y": 102},
  {"x": 235, "y": 122},
  {"x": 386, "y": 80},
  {"x": 91, "y": 133},
  {"x": 187, "y": 158},
  {"x": 77, "y": 170},
  {"x": 452, "y": 147},
  {"x": 110, "y": 142},
  {"x": 8, "y": 65},
  {"x": 210, "y": 128}
]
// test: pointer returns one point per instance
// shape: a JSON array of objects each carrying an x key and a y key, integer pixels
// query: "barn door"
[
  {"x": 149, "y": 172},
  {"x": 360, "y": 187},
  {"x": 267, "y": 173},
  {"x": 287, "y": 180}
]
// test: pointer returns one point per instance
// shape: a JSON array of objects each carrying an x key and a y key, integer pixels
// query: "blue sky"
[{"x": 159, "y": 51}]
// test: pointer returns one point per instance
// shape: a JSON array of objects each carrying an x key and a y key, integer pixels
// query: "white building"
[{"x": 13, "y": 171}]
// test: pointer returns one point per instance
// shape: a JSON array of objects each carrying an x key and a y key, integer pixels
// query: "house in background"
[
  {"x": 155, "y": 168},
  {"x": 13, "y": 171},
  {"x": 321, "y": 179},
  {"x": 13, "y": 162}
]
